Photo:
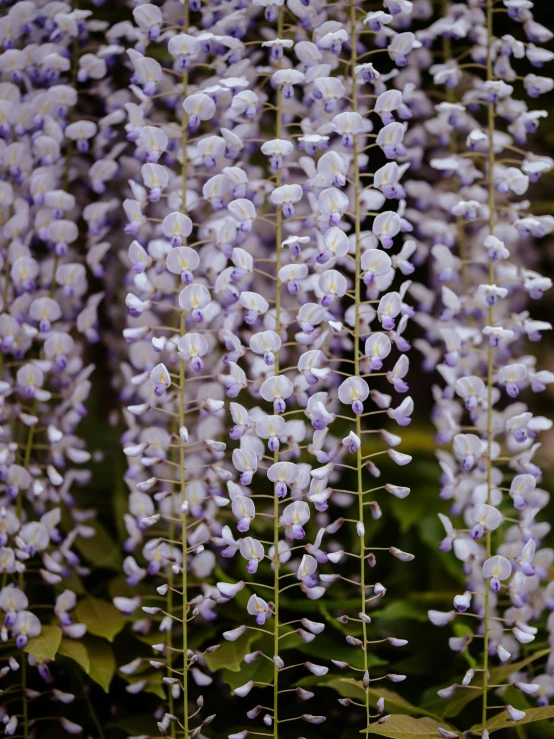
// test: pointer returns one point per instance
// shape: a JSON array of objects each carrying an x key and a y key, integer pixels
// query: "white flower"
[
  {"x": 354, "y": 391},
  {"x": 439, "y": 618},
  {"x": 333, "y": 285},
  {"x": 191, "y": 348},
  {"x": 193, "y": 298},
  {"x": 243, "y": 508},
  {"x": 386, "y": 226},
  {"x": 333, "y": 204},
  {"x": 244, "y": 212},
  {"x": 333, "y": 167},
  {"x": 282, "y": 474},
  {"x": 486, "y": 518},
  {"x": 266, "y": 343},
  {"x": 154, "y": 142},
  {"x": 306, "y": 570},
  {"x": 375, "y": 263},
  {"x": 199, "y": 107},
  {"x": 161, "y": 379},
  {"x": 253, "y": 551},
  {"x": 276, "y": 149},
  {"x": 26, "y": 626},
  {"x": 389, "y": 307},
  {"x": 177, "y": 227},
  {"x": 496, "y": 568},
  {"x": 259, "y": 608},
  {"x": 331, "y": 90},
  {"x": 515, "y": 713},
  {"x": 296, "y": 515}
]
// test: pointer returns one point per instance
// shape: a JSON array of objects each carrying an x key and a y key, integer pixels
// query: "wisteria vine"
[
  {"x": 240, "y": 232},
  {"x": 481, "y": 266}
]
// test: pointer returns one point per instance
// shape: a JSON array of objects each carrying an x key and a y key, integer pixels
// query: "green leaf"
[
  {"x": 348, "y": 687},
  {"x": 118, "y": 586},
  {"x": 461, "y": 629},
  {"x": 46, "y": 644},
  {"x": 206, "y": 635},
  {"x": 75, "y": 583},
  {"x": 325, "y": 645},
  {"x": 261, "y": 670},
  {"x": 464, "y": 696},
  {"x": 154, "y": 685},
  {"x": 517, "y": 699},
  {"x": 504, "y": 671},
  {"x": 313, "y": 606},
  {"x": 353, "y": 627},
  {"x": 102, "y": 662},
  {"x": 400, "y": 726},
  {"x": 231, "y": 653},
  {"x": 241, "y": 598},
  {"x": 292, "y": 640},
  {"x": 101, "y": 617},
  {"x": 400, "y": 609},
  {"x": 135, "y": 725},
  {"x": 100, "y": 549},
  {"x": 430, "y": 532},
  {"x": 75, "y": 651},
  {"x": 503, "y": 720},
  {"x": 409, "y": 515}
]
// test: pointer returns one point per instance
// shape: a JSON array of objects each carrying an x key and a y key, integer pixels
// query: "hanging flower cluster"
[
  {"x": 262, "y": 261},
  {"x": 174, "y": 401},
  {"x": 476, "y": 222},
  {"x": 51, "y": 231}
]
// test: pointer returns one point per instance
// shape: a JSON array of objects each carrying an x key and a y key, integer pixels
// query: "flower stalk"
[
  {"x": 182, "y": 463},
  {"x": 276, "y": 511},
  {"x": 357, "y": 351},
  {"x": 491, "y": 476},
  {"x": 490, "y": 353}
]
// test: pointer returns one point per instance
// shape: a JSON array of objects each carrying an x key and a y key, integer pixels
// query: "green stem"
[
  {"x": 184, "y": 543},
  {"x": 278, "y": 239},
  {"x": 490, "y": 121},
  {"x": 357, "y": 288},
  {"x": 169, "y": 603}
]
